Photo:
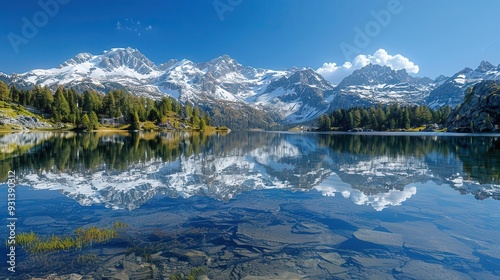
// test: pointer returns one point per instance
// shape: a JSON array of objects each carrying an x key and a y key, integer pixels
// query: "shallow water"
[{"x": 255, "y": 205}]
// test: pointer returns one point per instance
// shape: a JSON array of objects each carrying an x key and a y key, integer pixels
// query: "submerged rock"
[
  {"x": 194, "y": 257},
  {"x": 379, "y": 237},
  {"x": 122, "y": 275},
  {"x": 333, "y": 258},
  {"x": 423, "y": 270},
  {"x": 72, "y": 276},
  {"x": 425, "y": 238}
]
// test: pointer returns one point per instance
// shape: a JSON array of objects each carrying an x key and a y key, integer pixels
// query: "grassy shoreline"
[{"x": 4, "y": 129}]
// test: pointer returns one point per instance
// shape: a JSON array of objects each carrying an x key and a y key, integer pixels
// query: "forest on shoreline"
[{"x": 90, "y": 110}]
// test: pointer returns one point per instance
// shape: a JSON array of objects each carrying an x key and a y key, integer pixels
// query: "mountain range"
[{"x": 290, "y": 96}]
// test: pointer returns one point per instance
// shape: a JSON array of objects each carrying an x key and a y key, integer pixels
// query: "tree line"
[
  {"x": 381, "y": 118},
  {"x": 85, "y": 109}
]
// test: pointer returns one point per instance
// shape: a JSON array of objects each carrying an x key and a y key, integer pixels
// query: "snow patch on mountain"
[
  {"x": 452, "y": 90},
  {"x": 291, "y": 96},
  {"x": 374, "y": 84},
  {"x": 335, "y": 73}
]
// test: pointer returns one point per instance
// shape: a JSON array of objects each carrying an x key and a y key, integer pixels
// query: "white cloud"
[{"x": 335, "y": 73}]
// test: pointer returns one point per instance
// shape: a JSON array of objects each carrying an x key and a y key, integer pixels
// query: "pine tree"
[
  {"x": 195, "y": 121},
  {"x": 206, "y": 118},
  {"x": 88, "y": 102},
  {"x": 153, "y": 115},
  {"x": 61, "y": 106},
  {"x": 70, "y": 96},
  {"x": 135, "y": 123},
  {"x": 202, "y": 124},
  {"x": 86, "y": 122},
  {"x": 351, "y": 119},
  {"x": 406, "y": 119},
  {"x": 109, "y": 105},
  {"x": 78, "y": 119},
  {"x": 168, "y": 105},
  {"x": 196, "y": 112},
  {"x": 4, "y": 92},
  {"x": 15, "y": 94},
  {"x": 324, "y": 122},
  {"x": 356, "y": 118},
  {"x": 94, "y": 121},
  {"x": 188, "y": 111},
  {"x": 392, "y": 124}
]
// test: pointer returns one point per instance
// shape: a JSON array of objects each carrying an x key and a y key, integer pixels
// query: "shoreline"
[{"x": 117, "y": 130}]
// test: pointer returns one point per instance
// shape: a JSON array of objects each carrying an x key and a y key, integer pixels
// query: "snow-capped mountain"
[
  {"x": 114, "y": 69},
  {"x": 222, "y": 78},
  {"x": 374, "y": 84},
  {"x": 305, "y": 92},
  {"x": 288, "y": 96},
  {"x": 296, "y": 95},
  {"x": 452, "y": 90}
]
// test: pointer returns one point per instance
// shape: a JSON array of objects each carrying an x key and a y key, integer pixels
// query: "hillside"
[
  {"x": 479, "y": 111},
  {"x": 39, "y": 108},
  {"x": 17, "y": 117},
  {"x": 247, "y": 97}
]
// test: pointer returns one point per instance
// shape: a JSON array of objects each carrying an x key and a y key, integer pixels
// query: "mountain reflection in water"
[{"x": 126, "y": 170}]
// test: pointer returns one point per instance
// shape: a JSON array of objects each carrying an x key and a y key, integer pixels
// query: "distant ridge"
[{"x": 291, "y": 96}]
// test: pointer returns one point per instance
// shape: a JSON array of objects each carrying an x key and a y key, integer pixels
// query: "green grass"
[
  {"x": 10, "y": 110},
  {"x": 416, "y": 129},
  {"x": 149, "y": 126},
  {"x": 223, "y": 128},
  {"x": 13, "y": 110},
  {"x": 33, "y": 243}
]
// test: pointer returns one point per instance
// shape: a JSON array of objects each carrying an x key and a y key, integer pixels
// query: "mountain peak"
[
  {"x": 168, "y": 64},
  {"x": 128, "y": 57},
  {"x": 441, "y": 78},
  {"x": 484, "y": 67},
  {"x": 221, "y": 66},
  {"x": 224, "y": 59},
  {"x": 373, "y": 66},
  {"x": 77, "y": 59},
  {"x": 306, "y": 75},
  {"x": 466, "y": 70},
  {"x": 373, "y": 74}
]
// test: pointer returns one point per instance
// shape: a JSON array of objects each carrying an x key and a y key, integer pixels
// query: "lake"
[{"x": 257, "y": 205}]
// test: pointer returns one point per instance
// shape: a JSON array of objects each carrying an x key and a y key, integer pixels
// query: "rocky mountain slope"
[
  {"x": 480, "y": 110},
  {"x": 290, "y": 96},
  {"x": 375, "y": 84},
  {"x": 294, "y": 95},
  {"x": 452, "y": 90}
]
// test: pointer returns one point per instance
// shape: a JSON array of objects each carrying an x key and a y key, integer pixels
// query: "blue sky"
[{"x": 435, "y": 37}]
